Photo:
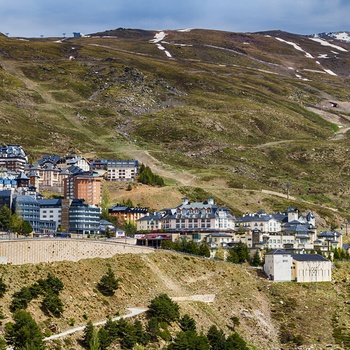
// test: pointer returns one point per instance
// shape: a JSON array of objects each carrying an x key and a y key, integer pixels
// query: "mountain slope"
[
  {"x": 252, "y": 109},
  {"x": 266, "y": 310}
]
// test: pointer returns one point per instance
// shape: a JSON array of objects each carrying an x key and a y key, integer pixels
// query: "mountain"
[
  {"x": 244, "y": 110},
  {"x": 341, "y": 36}
]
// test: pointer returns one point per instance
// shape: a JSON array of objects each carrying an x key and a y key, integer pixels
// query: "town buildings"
[
  {"x": 84, "y": 185},
  {"x": 115, "y": 170},
  {"x": 13, "y": 158},
  {"x": 127, "y": 214}
]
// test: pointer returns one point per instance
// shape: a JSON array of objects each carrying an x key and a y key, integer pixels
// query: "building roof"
[
  {"x": 218, "y": 234},
  {"x": 50, "y": 202},
  {"x": 125, "y": 209},
  {"x": 278, "y": 252},
  {"x": 308, "y": 257},
  {"x": 155, "y": 217},
  {"x": 329, "y": 234}
]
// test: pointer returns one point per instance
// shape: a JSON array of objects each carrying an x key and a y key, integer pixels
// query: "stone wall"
[{"x": 34, "y": 251}]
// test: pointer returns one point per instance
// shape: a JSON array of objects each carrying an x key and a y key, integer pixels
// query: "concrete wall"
[{"x": 34, "y": 251}]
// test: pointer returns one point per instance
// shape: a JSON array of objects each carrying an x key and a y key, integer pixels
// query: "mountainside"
[
  {"x": 248, "y": 110},
  {"x": 271, "y": 315},
  {"x": 214, "y": 113}
]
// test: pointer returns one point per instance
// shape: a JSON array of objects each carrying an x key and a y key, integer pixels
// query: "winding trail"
[{"x": 134, "y": 312}]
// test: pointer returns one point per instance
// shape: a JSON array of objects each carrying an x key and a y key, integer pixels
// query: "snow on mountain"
[{"x": 341, "y": 36}]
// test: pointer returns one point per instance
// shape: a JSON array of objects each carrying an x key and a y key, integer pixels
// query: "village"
[{"x": 288, "y": 240}]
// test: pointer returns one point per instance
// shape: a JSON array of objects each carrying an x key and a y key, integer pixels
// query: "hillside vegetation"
[
  {"x": 213, "y": 113},
  {"x": 247, "y": 110},
  {"x": 269, "y": 313}
]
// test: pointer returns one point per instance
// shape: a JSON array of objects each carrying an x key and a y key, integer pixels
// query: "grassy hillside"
[
  {"x": 268, "y": 312},
  {"x": 226, "y": 112}
]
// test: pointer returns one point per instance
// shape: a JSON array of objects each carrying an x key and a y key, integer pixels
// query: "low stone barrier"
[{"x": 34, "y": 251}]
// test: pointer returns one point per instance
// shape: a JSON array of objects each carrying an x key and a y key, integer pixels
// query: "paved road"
[{"x": 134, "y": 312}]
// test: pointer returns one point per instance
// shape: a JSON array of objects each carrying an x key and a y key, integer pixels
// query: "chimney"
[{"x": 184, "y": 201}]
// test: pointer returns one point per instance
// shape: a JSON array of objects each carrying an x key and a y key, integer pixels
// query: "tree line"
[{"x": 163, "y": 317}]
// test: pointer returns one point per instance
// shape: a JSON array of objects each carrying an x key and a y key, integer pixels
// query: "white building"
[
  {"x": 282, "y": 266},
  {"x": 311, "y": 268},
  {"x": 51, "y": 209},
  {"x": 198, "y": 217},
  {"x": 278, "y": 266}
]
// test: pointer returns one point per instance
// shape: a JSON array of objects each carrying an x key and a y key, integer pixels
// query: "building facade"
[
  {"x": 116, "y": 170},
  {"x": 127, "y": 214},
  {"x": 282, "y": 266},
  {"x": 83, "y": 218},
  {"x": 13, "y": 158},
  {"x": 84, "y": 185},
  {"x": 198, "y": 217}
]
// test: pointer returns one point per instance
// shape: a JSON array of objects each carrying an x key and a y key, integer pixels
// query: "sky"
[{"x": 52, "y": 18}]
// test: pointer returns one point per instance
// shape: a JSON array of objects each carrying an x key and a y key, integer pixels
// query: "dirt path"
[
  {"x": 171, "y": 285},
  {"x": 160, "y": 168}
]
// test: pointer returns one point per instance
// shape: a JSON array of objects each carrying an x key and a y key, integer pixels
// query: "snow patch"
[
  {"x": 158, "y": 37},
  {"x": 297, "y": 47},
  {"x": 185, "y": 30},
  {"x": 315, "y": 71},
  {"x": 330, "y": 72},
  {"x": 343, "y": 36},
  {"x": 323, "y": 55},
  {"x": 326, "y": 43}
]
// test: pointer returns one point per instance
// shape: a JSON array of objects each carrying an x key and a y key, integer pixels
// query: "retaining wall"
[{"x": 34, "y": 251}]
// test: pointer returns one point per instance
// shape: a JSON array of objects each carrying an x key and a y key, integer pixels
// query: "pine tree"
[
  {"x": 24, "y": 333},
  {"x": 108, "y": 283},
  {"x": 187, "y": 323},
  {"x": 94, "y": 343},
  {"x": 164, "y": 309},
  {"x": 5, "y": 218},
  {"x": 88, "y": 334},
  {"x": 104, "y": 338},
  {"x": 236, "y": 342},
  {"x": 52, "y": 304},
  {"x": 3, "y": 287},
  {"x": 204, "y": 250},
  {"x": 26, "y": 228},
  {"x": 256, "y": 261},
  {"x": 105, "y": 202},
  {"x": 216, "y": 337}
]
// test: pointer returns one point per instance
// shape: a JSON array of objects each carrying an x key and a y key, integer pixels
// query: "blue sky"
[{"x": 33, "y": 18}]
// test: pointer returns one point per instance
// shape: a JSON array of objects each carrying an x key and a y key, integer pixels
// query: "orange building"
[
  {"x": 127, "y": 214},
  {"x": 84, "y": 186}
]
